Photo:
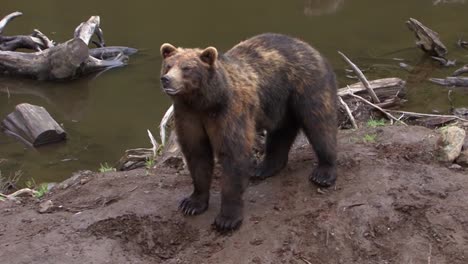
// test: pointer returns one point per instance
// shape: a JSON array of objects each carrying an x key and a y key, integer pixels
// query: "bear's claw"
[
  {"x": 225, "y": 224},
  {"x": 323, "y": 176},
  {"x": 192, "y": 206}
]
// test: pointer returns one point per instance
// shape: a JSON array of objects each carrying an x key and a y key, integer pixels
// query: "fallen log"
[
  {"x": 33, "y": 125},
  {"x": 59, "y": 62},
  {"x": 67, "y": 60},
  {"x": 427, "y": 39},
  {"x": 385, "y": 89}
]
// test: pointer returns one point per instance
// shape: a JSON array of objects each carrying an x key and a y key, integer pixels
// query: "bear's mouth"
[{"x": 171, "y": 91}]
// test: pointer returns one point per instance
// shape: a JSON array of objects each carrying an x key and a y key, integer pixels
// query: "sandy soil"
[{"x": 393, "y": 203}]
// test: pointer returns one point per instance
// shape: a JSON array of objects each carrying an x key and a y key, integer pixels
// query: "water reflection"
[
  {"x": 437, "y": 2},
  {"x": 70, "y": 100},
  {"x": 321, "y": 7}
]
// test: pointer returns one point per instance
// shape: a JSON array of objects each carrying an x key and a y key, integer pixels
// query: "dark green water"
[{"x": 108, "y": 114}]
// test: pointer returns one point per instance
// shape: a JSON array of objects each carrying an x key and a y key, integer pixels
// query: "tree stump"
[{"x": 33, "y": 125}]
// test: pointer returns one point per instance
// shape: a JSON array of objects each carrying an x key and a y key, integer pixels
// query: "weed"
[
  {"x": 375, "y": 122},
  {"x": 149, "y": 163},
  {"x": 369, "y": 138},
  {"x": 41, "y": 189},
  {"x": 106, "y": 168}
]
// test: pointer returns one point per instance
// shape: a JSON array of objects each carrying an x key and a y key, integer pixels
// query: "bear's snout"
[
  {"x": 165, "y": 80},
  {"x": 168, "y": 86}
]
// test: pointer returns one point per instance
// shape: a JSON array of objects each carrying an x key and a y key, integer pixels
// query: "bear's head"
[{"x": 186, "y": 71}]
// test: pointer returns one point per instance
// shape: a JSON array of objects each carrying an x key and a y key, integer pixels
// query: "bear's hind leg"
[
  {"x": 317, "y": 115},
  {"x": 323, "y": 139},
  {"x": 278, "y": 143}
]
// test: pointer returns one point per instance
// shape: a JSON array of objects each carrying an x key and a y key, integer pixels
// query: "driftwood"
[
  {"x": 451, "y": 81},
  {"x": 461, "y": 71},
  {"x": 67, "y": 60},
  {"x": 32, "y": 125},
  {"x": 428, "y": 120},
  {"x": 427, "y": 39},
  {"x": 134, "y": 159}
]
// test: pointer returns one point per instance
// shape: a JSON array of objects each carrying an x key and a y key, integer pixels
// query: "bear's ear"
[
  {"x": 209, "y": 55},
  {"x": 167, "y": 50}
]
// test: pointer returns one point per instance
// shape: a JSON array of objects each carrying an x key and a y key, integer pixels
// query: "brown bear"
[{"x": 269, "y": 82}]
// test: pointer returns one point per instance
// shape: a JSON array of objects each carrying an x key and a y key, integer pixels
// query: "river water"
[{"x": 108, "y": 114}]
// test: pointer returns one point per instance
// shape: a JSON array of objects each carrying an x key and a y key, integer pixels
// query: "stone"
[
  {"x": 450, "y": 143},
  {"x": 46, "y": 207}
]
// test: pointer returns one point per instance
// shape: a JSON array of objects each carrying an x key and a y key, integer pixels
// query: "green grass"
[
  {"x": 106, "y": 168},
  {"x": 41, "y": 189},
  {"x": 369, "y": 138},
  {"x": 149, "y": 163},
  {"x": 375, "y": 122}
]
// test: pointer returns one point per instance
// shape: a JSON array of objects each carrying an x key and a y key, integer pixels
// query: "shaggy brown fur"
[{"x": 269, "y": 82}]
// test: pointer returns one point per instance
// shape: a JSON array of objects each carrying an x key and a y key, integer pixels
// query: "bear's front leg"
[
  {"x": 234, "y": 182},
  {"x": 198, "y": 153}
]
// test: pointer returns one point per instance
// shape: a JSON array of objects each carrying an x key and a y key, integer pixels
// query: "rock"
[
  {"x": 455, "y": 167},
  {"x": 46, "y": 207},
  {"x": 75, "y": 179},
  {"x": 450, "y": 143}
]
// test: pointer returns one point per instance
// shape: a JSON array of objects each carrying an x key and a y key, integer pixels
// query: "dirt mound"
[{"x": 393, "y": 203}]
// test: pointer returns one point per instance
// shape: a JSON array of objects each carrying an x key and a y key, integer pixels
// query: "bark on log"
[
  {"x": 427, "y": 39},
  {"x": 33, "y": 125}
]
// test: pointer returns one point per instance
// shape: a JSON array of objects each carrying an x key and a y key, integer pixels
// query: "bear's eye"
[
  {"x": 186, "y": 68},
  {"x": 168, "y": 67}
]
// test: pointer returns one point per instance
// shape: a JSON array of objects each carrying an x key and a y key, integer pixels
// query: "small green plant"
[
  {"x": 106, "y": 168},
  {"x": 149, "y": 163},
  {"x": 375, "y": 122},
  {"x": 41, "y": 189},
  {"x": 369, "y": 138}
]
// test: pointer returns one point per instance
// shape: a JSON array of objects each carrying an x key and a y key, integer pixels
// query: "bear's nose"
[{"x": 165, "y": 81}]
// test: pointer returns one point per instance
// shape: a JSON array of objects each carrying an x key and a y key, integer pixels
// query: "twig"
[
  {"x": 18, "y": 193},
  {"x": 350, "y": 114},
  {"x": 378, "y": 108},
  {"x": 48, "y": 43},
  {"x": 154, "y": 143},
  {"x": 362, "y": 78},
  {"x": 305, "y": 260},
  {"x": 430, "y": 253},
  {"x": 449, "y": 95},
  {"x": 326, "y": 239},
  {"x": 427, "y": 115},
  {"x": 8, "y": 92}
]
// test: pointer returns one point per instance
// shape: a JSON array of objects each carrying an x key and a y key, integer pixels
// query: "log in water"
[{"x": 33, "y": 125}]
